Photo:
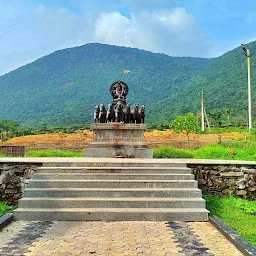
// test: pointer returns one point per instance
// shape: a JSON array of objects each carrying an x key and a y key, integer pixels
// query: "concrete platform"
[
  {"x": 117, "y": 202},
  {"x": 113, "y": 183},
  {"x": 112, "y": 191},
  {"x": 109, "y": 176},
  {"x": 118, "y": 140},
  {"x": 130, "y": 170},
  {"x": 97, "y": 162},
  {"x": 113, "y": 214},
  {"x": 116, "y": 150}
]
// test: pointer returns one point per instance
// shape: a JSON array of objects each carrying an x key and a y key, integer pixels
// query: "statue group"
[{"x": 119, "y": 111}]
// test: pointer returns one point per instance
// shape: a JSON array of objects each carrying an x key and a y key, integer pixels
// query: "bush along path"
[
  {"x": 239, "y": 214},
  {"x": 4, "y": 209},
  {"x": 224, "y": 151}
]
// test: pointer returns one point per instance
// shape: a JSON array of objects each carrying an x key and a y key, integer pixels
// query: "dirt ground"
[{"x": 80, "y": 139}]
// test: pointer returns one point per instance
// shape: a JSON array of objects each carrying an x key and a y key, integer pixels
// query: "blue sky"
[{"x": 30, "y": 29}]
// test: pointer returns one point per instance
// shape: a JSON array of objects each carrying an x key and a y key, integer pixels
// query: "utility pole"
[
  {"x": 202, "y": 111},
  {"x": 207, "y": 120},
  {"x": 249, "y": 90},
  {"x": 248, "y": 55}
]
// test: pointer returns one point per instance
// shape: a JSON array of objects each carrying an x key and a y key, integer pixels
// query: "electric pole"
[
  {"x": 202, "y": 111},
  {"x": 248, "y": 55},
  {"x": 207, "y": 121},
  {"x": 249, "y": 90}
]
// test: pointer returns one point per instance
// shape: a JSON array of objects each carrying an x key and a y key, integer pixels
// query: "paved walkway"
[
  {"x": 122, "y": 160},
  {"x": 68, "y": 238}
]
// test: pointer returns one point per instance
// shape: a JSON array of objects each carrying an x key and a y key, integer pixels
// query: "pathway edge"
[
  {"x": 233, "y": 237},
  {"x": 5, "y": 220}
]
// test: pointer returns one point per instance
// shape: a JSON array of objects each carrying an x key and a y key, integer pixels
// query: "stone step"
[
  {"x": 104, "y": 202},
  {"x": 111, "y": 176},
  {"x": 115, "y": 163},
  {"x": 111, "y": 214},
  {"x": 112, "y": 184},
  {"x": 177, "y": 170},
  {"x": 112, "y": 192}
]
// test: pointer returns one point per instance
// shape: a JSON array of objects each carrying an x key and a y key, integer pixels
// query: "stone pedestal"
[{"x": 118, "y": 140}]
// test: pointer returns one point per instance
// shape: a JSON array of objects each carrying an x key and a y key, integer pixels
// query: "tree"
[
  {"x": 8, "y": 125},
  {"x": 216, "y": 117},
  {"x": 228, "y": 113},
  {"x": 188, "y": 123}
]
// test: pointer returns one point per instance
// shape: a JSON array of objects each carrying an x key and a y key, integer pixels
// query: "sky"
[{"x": 30, "y": 29}]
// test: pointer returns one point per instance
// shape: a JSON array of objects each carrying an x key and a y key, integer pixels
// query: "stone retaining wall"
[
  {"x": 13, "y": 180},
  {"x": 221, "y": 180},
  {"x": 239, "y": 181}
]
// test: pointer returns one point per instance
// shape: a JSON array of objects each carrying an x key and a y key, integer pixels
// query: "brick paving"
[{"x": 69, "y": 238}]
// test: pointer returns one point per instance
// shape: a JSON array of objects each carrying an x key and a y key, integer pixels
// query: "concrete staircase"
[{"x": 112, "y": 191}]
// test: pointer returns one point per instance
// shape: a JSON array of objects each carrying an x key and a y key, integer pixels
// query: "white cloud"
[
  {"x": 113, "y": 28},
  {"x": 177, "y": 20},
  {"x": 174, "y": 32},
  {"x": 28, "y": 33}
]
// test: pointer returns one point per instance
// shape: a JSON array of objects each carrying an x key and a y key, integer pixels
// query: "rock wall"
[
  {"x": 239, "y": 181},
  {"x": 13, "y": 180},
  {"x": 236, "y": 180}
]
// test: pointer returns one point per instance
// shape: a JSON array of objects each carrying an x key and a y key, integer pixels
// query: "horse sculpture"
[
  {"x": 142, "y": 114},
  {"x": 102, "y": 113},
  {"x": 119, "y": 115},
  {"x": 110, "y": 113},
  {"x": 96, "y": 113},
  {"x": 135, "y": 117},
  {"x": 127, "y": 113},
  {"x": 118, "y": 110}
]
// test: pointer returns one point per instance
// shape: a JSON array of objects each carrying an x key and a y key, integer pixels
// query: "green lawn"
[
  {"x": 6, "y": 209},
  {"x": 238, "y": 214},
  {"x": 232, "y": 151},
  {"x": 228, "y": 151},
  {"x": 225, "y": 151},
  {"x": 53, "y": 153}
]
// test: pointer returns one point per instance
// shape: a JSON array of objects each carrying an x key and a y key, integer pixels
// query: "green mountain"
[{"x": 62, "y": 88}]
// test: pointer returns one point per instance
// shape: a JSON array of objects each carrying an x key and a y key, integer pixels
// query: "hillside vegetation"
[{"x": 62, "y": 88}]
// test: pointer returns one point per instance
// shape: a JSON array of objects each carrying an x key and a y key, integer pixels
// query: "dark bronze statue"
[
  {"x": 135, "y": 118},
  {"x": 119, "y": 91},
  {"x": 142, "y": 113},
  {"x": 119, "y": 114},
  {"x": 119, "y": 110},
  {"x": 102, "y": 114},
  {"x": 127, "y": 113},
  {"x": 110, "y": 113},
  {"x": 96, "y": 113}
]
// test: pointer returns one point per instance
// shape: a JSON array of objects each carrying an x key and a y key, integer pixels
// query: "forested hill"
[{"x": 62, "y": 88}]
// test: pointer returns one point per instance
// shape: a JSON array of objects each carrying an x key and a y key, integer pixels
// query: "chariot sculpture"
[{"x": 119, "y": 111}]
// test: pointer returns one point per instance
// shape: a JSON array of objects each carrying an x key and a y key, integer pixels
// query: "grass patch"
[
  {"x": 171, "y": 152},
  {"x": 225, "y": 151},
  {"x": 216, "y": 130},
  {"x": 6, "y": 209},
  {"x": 231, "y": 150},
  {"x": 53, "y": 153},
  {"x": 239, "y": 214}
]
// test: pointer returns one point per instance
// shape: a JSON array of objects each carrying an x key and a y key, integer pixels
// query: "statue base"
[{"x": 118, "y": 140}]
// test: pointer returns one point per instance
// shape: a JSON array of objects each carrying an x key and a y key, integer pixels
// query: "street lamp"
[{"x": 248, "y": 55}]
